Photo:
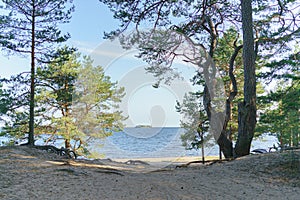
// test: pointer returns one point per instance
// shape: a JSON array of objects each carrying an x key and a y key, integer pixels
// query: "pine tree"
[
  {"x": 274, "y": 25},
  {"x": 96, "y": 102},
  {"x": 15, "y": 98},
  {"x": 282, "y": 119},
  {"x": 79, "y": 101},
  {"x": 32, "y": 29}
]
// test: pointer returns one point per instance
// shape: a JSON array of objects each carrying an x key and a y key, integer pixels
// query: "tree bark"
[
  {"x": 247, "y": 108},
  {"x": 219, "y": 130},
  {"x": 67, "y": 144},
  {"x": 225, "y": 144},
  {"x": 224, "y": 140},
  {"x": 32, "y": 82}
]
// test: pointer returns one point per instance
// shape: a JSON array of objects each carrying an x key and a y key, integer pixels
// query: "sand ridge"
[{"x": 27, "y": 173}]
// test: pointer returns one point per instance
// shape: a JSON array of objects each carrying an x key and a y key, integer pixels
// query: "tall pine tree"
[
  {"x": 274, "y": 25},
  {"x": 32, "y": 29}
]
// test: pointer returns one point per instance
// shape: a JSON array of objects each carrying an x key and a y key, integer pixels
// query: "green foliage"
[
  {"x": 15, "y": 102},
  {"x": 17, "y": 125},
  {"x": 4, "y": 100},
  {"x": 186, "y": 17},
  {"x": 80, "y": 101},
  {"x": 216, "y": 26},
  {"x": 74, "y": 99},
  {"x": 222, "y": 58},
  {"x": 281, "y": 118},
  {"x": 55, "y": 86},
  {"x": 96, "y": 101},
  {"x": 281, "y": 111},
  {"x": 195, "y": 122},
  {"x": 55, "y": 82},
  {"x": 4, "y": 38},
  {"x": 31, "y": 27},
  {"x": 44, "y": 16}
]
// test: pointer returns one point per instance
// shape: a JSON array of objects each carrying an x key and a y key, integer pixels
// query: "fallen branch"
[
  {"x": 211, "y": 162},
  {"x": 62, "y": 151}
]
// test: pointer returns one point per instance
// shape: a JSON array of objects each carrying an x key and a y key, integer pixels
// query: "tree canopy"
[
  {"x": 274, "y": 25},
  {"x": 74, "y": 99},
  {"x": 246, "y": 53},
  {"x": 31, "y": 27}
]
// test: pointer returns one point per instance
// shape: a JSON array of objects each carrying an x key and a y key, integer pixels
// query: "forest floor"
[{"x": 27, "y": 173}]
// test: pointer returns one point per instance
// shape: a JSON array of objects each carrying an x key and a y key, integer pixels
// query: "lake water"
[
  {"x": 160, "y": 142},
  {"x": 152, "y": 142},
  {"x": 145, "y": 142}
]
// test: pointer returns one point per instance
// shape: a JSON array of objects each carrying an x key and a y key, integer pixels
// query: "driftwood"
[
  {"x": 136, "y": 162},
  {"x": 62, "y": 151},
  {"x": 208, "y": 162}
]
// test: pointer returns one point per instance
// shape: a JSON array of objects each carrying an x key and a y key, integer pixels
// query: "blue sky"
[
  {"x": 88, "y": 23},
  {"x": 143, "y": 104}
]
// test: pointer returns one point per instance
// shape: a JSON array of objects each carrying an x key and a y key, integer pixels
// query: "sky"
[
  {"x": 88, "y": 23},
  {"x": 143, "y": 104}
]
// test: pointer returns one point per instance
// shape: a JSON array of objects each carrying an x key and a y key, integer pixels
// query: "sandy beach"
[{"x": 28, "y": 173}]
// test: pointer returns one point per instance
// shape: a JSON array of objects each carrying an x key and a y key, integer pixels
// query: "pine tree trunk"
[
  {"x": 224, "y": 141},
  {"x": 247, "y": 108},
  {"x": 32, "y": 82},
  {"x": 225, "y": 145},
  {"x": 67, "y": 144}
]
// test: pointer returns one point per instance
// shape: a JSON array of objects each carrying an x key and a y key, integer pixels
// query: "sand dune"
[{"x": 34, "y": 174}]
